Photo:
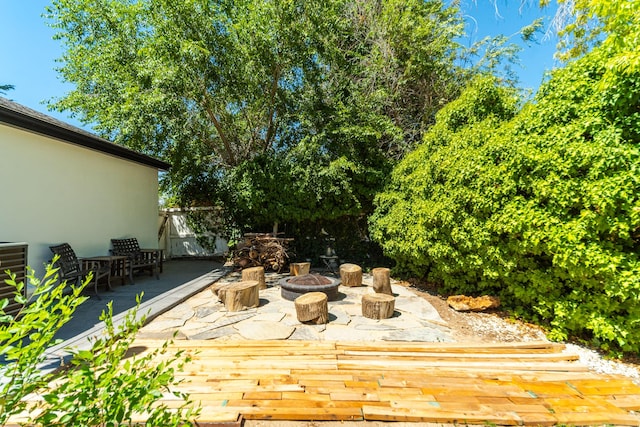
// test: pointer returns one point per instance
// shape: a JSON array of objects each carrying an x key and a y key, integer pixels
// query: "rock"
[
  {"x": 339, "y": 317},
  {"x": 465, "y": 303},
  {"x": 152, "y": 335},
  {"x": 180, "y": 312},
  {"x": 232, "y": 318},
  {"x": 417, "y": 307},
  {"x": 305, "y": 333},
  {"x": 213, "y": 333},
  {"x": 418, "y": 335},
  {"x": 165, "y": 325},
  {"x": 202, "y": 312},
  {"x": 264, "y": 330}
]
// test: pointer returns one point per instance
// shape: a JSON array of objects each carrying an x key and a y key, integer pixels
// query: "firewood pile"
[{"x": 262, "y": 250}]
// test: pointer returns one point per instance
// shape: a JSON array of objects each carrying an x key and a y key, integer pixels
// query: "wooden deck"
[{"x": 532, "y": 384}]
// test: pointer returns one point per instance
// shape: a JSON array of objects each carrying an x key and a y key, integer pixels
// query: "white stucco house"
[{"x": 61, "y": 184}]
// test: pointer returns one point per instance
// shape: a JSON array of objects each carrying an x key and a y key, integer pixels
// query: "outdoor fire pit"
[{"x": 293, "y": 287}]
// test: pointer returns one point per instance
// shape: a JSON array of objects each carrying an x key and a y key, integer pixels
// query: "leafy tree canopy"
[
  {"x": 5, "y": 88},
  {"x": 275, "y": 107}
]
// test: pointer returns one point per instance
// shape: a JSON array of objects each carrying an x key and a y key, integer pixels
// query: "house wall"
[{"x": 53, "y": 191}]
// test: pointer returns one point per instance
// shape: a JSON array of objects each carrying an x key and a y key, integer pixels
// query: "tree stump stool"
[
  {"x": 382, "y": 280},
  {"x": 241, "y": 295},
  {"x": 351, "y": 275},
  {"x": 299, "y": 268},
  {"x": 255, "y": 273},
  {"x": 312, "y": 308},
  {"x": 378, "y": 306}
]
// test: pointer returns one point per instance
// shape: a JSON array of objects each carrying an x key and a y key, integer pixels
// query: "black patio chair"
[
  {"x": 74, "y": 269},
  {"x": 138, "y": 259}
]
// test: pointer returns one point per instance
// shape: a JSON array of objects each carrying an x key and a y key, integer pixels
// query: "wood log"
[
  {"x": 241, "y": 295},
  {"x": 262, "y": 250},
  {"x": 351, "y": 275},
  {"x": 299, "y": 268},
  {"x": 312, "y": 307},
  {"x": 382, "y": 280},
  {"x": 378, "y": 306},
  {"x": 255, "y": 273},
  {"x": 216, "y": 286}
]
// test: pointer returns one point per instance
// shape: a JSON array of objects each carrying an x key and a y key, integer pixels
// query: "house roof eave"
[{"x": 19, "y": 116}]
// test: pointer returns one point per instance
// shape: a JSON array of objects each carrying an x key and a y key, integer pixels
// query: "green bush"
[
  {"x": 101, "y": 386},
  {"x": 578, "y": 218},
  {"x": 436, "y": 216},
  {"x": 542, "y": 208}
]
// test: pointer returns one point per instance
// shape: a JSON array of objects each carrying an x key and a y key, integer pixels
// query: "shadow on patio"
[{"x": 179, "y": 280}]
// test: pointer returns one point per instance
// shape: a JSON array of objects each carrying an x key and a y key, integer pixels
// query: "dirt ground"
[{"x": 486, "y": 327}]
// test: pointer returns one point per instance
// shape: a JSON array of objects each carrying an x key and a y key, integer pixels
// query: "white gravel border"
[{"x": 594, "y": 361}]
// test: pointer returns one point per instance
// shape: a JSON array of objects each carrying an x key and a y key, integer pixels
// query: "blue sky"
[{"x": 29, "y": 51}]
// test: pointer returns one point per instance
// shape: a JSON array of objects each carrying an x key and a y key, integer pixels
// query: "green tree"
[
  {"x": 5, "y": 88},
  {"x": 611, "y": 24},
  {"x": 388, "y": 66},
  {"x": 192, "y": 81},
  {"x": 273, "y": 108},
  {"x": 436, "y": 216}
]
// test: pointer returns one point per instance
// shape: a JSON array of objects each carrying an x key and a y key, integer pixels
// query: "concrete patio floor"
[{"x": 179, "y": 280}]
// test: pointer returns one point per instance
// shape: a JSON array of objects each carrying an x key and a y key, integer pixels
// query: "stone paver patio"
[{"x": 203, "y": 316}]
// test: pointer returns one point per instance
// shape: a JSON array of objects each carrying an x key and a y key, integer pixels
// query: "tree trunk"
[
  {"x": 312, "y": 307},
  {"x": 240, "y": 296},
  {"x": 378, "y": 306},
  {"x": 299, "y": 268},
  {"x": 255, "y": 273},
  {"x": 382, "y": 280},
  {"x": 351, "y": 275}
]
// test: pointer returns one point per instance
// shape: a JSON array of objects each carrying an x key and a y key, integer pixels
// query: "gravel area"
[{"x": 492, "y": 327}]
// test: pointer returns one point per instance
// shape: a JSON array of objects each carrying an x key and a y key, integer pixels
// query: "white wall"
[{"x": 53, "y": 192}]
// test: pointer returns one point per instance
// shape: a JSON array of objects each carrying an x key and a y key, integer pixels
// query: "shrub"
[
  {"x": 101, "y": 386},
  {"x": 435, "y": 217},
  {"x": 25, "y": 337},
  {"x": 542, "y": 208}
]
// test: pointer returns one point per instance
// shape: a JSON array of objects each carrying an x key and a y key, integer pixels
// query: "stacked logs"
[{"x": 262, "y": 250}]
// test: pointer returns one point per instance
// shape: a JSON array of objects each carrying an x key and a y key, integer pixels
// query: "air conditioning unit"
[{"x": 13, "y": 257}]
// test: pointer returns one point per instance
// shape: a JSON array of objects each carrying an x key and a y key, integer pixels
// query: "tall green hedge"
[{"x": 541, "y": 207}]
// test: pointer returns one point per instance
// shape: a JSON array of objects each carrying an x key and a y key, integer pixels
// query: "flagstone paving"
[{"x": 203, "y": 316}]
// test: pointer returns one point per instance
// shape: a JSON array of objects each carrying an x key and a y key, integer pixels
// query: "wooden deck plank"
[
  {"x": 524, "y": 383},
  {"x": 390, "y": 365},
  {"x": 435, "y": 415},
  {"x": 296, "y": 413},
  {"x": 630, "y": 403},
  {"x": 451, "y": 347},
  {"x": 459, "y": 356},
  {"x": 530, "y": 384}
]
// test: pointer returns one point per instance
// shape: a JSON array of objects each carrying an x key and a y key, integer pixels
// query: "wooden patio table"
[{"x": 117, "y": 266}]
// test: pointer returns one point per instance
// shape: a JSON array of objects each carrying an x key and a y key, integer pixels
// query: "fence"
[{"x": 179, "y": 240}]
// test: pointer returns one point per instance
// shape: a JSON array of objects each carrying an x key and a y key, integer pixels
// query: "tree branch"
[
  {"x": 230, "y": 157},
  {"x": 272, "y": 109}
]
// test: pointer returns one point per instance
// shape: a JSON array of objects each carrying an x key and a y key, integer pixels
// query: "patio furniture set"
[{"x": 125, "y": 257}]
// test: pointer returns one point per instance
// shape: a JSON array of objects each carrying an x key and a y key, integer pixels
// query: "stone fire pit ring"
[{"x": 291, "y": 291}]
